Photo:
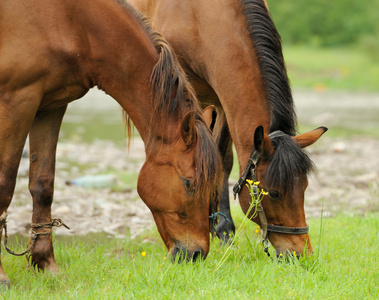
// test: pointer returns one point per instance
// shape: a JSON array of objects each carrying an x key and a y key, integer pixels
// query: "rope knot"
[{"x": 58, "y": 223}]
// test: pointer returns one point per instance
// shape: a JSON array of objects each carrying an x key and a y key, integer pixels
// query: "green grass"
[
  {"x": 345, "y": 265},
  {"x": 348, "y": 69}
]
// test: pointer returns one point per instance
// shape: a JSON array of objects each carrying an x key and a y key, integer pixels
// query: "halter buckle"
[{"x": 250, "y": 167}]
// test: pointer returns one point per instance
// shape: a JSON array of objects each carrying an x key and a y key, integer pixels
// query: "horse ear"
[
  {"x": 306, "y": 139},
  {"x": 188, "y": 128},
  {"x": 262, "y": 142},
  {"x": 209, "y": 116}
]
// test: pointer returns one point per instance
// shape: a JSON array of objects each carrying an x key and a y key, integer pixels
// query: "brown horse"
[
  {"x": 53, "y": 52},
  {"x": 232, "y": 53}
]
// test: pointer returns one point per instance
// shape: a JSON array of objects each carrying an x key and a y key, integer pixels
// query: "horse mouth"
[{"x": 289, "y": 254}]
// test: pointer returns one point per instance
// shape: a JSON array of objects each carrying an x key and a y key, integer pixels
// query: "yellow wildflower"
[
  {"x": 165, "y": 258},
  {"x": 264, "y": 193},
  {"x": 250, "y": 181},
  {"x": 143, "y": 253},
  {"x": 257, "y": 182},
  {"x": 256, "y": 230},
  {"x": 281, "y": 255},
  {"x": 294, "y": 253}
]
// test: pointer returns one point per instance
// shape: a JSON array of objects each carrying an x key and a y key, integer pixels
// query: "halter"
[{"x": 252, "y": 168}]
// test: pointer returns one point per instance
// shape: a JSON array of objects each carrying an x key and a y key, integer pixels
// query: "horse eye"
[
  {"x": 182, "y": 215},
  {"x": 187, "y": 183},
  {"x": 274, "y": 194}
]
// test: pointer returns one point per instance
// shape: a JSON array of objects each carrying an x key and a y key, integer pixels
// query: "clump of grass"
[{"x": 117, "y": 269}]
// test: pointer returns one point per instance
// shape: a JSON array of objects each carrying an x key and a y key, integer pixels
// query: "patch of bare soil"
[
  {"x": 347, "y": 180},
  {"x": 87, "y": 210},
  {"x": 347, "y": 177}
]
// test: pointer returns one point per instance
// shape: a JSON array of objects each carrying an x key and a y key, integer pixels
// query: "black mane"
[
  {"x": 288, "y": 163},
  {"x": 267, "y": 45}
]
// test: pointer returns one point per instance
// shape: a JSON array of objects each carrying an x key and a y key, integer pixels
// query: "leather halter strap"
[
  {"x": 251, "y": 168},
  {"x": 252, "y": 165},
  {"x": 289, "y": 230}
]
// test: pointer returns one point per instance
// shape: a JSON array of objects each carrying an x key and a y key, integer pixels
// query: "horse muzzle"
[
  {"x": 180, "y": 253},
  {"x": 293, "y": 248}
]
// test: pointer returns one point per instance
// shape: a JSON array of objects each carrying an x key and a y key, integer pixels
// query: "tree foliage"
[{"x": 325, "y": 22}]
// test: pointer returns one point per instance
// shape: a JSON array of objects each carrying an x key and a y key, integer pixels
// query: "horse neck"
[
  {"x": 122, "y": 60},
  {"x": 240, "y": 89},
  {"x": 234, "y": 75}
]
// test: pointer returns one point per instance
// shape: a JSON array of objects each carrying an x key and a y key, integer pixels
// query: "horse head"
[
  {"x": 179, "y": 182},
  {"x": 281, "y": 166}
]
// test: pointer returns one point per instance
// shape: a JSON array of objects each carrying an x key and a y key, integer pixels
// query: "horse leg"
[
  {"x": 43, "y": 139},
  {"x": 10, "y": 155},
  {"x": 16, "y": 116},
  {"x": 225, "y": 228}
]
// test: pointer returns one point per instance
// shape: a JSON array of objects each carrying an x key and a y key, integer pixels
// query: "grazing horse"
[
  {"x": 232, "y": 54},
  {"x": 53, "y": 52}
]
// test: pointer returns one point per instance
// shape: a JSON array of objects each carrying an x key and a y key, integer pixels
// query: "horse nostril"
[
  {"x": 197, "y": 254},
  {"x": 178, "y": 253},
  {"x": 177, "y": 249}
]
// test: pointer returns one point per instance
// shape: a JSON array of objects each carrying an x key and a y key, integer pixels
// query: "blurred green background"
[{"x": 330, "y": 44}]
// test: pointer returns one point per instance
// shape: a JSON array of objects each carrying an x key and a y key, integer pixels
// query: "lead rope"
[
  {"x": 213, "y": 217},
  {"x": 264, "y": 227},
  {"x": 33, "y": 235}
]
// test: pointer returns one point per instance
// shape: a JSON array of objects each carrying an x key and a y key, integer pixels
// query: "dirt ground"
[{"x": 347, "y": 178}]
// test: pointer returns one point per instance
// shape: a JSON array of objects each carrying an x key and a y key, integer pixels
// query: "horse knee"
[{"x": 42, "y": 189}]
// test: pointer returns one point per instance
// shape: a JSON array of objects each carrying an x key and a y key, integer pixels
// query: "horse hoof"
[
  {"x": 53, "y": 269},
  {"x": 5, "y": 284},
  {"x": 225, "y": 241},
  {"x": 225, "y": 232}
]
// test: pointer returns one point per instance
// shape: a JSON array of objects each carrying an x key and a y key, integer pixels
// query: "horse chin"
[
  {"x": 291, "y": 249},
  {"x": 180, "y": 253}
]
